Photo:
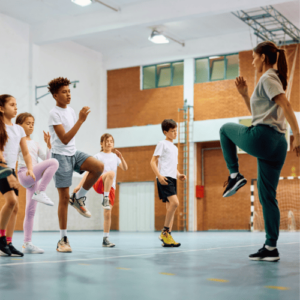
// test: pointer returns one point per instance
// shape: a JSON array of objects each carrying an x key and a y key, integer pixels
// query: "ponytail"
[
  {"x": 282, "y": 68},
  {"x": 3, "y": 133}
]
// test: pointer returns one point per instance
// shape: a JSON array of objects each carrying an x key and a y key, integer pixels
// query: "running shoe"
[
  {"x": 105, "y": 203},
  {"x": 234, "y": 184},
  {"x": 175, "y": 244},
  {"x": 106, "y": 243},
  {"x": 5, "y": 172},
  {"x": 265, "y": 255},
  {"x": 29, "y": 248},
  {"x": 42, "y": 198},
  {"x": 79, "y": 205},
  {"x": 4, "y": 249},
  {"x": 166, "y": 239},
  {"x": 14, "y": 251},
  {"x": 63, "y": 245}
]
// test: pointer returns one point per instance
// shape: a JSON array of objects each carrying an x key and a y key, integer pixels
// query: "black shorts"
[
  {"x": 4, "y": 185},
  {"x": 165, "y": 191}
]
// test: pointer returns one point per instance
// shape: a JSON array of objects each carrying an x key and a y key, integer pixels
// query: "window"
[
  {"x": 216, "y": 68},
  {"x": 163, "y": 75}
]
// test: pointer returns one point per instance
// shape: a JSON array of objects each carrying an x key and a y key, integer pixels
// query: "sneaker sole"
[
  {"x": 270, "y": 259},
  {"x": 106, "y": 207},
  {"x": 172, "y": 245},
  {"x": 64, "y": 251},
  {"x": 49, "y": 204},
  {"x": 78, "y": 209},
  {"x": 32, "y": 252},
  {"x": 105, "y": 246},
  {"x": 5, "y": 173},
  {"x": 235, "y": 188},
  {"x": 4, "y": 254}
]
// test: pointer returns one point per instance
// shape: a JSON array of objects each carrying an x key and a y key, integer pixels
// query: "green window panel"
[
  {"x": 177, "y": 73},
  {"x": 217, "y": 66},
  {"x": 164, "y": 75},
  {"x": 232, "y": 70},
  {"x": 149, "y": 78},
  {"x": 202, "y": 70}
]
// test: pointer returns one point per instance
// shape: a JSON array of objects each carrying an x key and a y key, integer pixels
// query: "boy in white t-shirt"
[
  {"x": 63, "y": 126},
  {"x": 164, "y": 165}
]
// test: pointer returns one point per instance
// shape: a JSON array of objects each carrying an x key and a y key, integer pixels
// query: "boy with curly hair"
[{"x": 63, "y": 126}]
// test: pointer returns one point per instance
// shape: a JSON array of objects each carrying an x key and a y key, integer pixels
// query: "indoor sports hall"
[{"x": 134, "y": 64}]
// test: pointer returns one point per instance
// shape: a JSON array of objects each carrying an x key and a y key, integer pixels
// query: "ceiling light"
[
  {"x": 158, "y": 38},
  {"x": 213, "y": 57},
  {"x": 82, "y": 2}
]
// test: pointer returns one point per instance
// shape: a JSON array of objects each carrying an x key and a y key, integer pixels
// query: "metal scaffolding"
[{"x": 269, "y": 24}]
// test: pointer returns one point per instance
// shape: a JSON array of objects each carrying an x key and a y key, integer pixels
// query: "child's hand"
[
  {"x": 117, "y": 152},
  {"x": 84, "y": 113},
  {"x": 76, "y": 189},
  {"x": 162, "y": 180},
  {"x": 13, "y": 182},
  {"x": 47, "y": 139},
  {"x": 30, "y": 173},
  {"x": 182, "y": 177}
]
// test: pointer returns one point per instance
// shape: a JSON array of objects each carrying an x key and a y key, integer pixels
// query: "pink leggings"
[{"x": 43, "y": 171}]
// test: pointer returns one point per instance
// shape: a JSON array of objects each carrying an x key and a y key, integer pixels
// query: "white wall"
[{"x": 24, "y": 65}]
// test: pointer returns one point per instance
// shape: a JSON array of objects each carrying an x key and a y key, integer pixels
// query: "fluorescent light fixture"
[
  {"x": 82, "y": 2},
  {"x": 212, "y": 57},
  {"x": 158, "y": 38}
]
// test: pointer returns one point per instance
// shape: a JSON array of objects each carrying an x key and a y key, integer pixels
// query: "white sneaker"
[
  {"x": 42, "y": 198},
  {"x": 29, "y": 248}
]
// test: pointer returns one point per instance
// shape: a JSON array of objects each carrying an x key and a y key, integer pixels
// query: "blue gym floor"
[{"x": 208, "y": 265}]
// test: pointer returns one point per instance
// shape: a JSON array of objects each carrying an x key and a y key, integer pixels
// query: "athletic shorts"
[
  {"x": 165, "y": 191},
  {"x": 4, "y": 185},
  {"x": 67, "y": 165},
  {"x": 99, "y": 188}
]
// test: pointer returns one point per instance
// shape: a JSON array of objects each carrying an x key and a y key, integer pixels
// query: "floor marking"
[
  {"x": 170, "y": 274},
  {"x": 218, "y": 280},
  {"x": 133, "y": 255},
  {"x": 16, "y": 259},
  {"x": 281, "y": 288},
  {"x": 124, "y": 269}
]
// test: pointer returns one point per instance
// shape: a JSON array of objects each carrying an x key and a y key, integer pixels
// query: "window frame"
[
  {"x": 209, "y": 69},
  {"x": 157, "y": 77}
]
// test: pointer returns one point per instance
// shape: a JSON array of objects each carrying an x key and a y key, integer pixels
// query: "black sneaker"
[
  {"x": 5, "y": 172},
  {"x": 234, "y": 184},
  {"x": 265, "y": 254},
  {"x": 4, "y": 248},
  {"x": 107, "y": 244},
  {"x": 14, "y": 251}
]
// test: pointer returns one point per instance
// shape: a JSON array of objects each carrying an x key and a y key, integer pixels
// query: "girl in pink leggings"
[{"x": 35, "y": 189}]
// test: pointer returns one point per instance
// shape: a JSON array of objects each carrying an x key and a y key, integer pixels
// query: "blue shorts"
[{"x": 67, "y": 165}]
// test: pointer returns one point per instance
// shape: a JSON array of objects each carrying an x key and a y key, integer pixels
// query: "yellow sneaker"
[
  {"x": 166, "y": 239},
  {"x": 174, "y": 244},
  {"x": 63, "y": 245}
]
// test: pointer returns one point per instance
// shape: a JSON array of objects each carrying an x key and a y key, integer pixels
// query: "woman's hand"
[
  {"x": 30, "y": 173},
  {"x": 162, "y": 180},
  {"x": 117, "y": 152},
  {"x": 241, "y": 86},
  {"x": 47, "y": 139},
  {"x": 296, "y": 144},
  {"x": 181, "y": 177}
]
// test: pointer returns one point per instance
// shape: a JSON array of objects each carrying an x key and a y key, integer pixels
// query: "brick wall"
[{"x": 127, "y": 105}]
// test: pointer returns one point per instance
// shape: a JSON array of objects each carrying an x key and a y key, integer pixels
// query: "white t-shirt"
[
  {"x": 66, "y": 117},
  {"x": 11, "y": 149},
  {"x": 111, "y": 162},
  {"x": 35, "y": 152},
  {"x": 168, "y": 158}
]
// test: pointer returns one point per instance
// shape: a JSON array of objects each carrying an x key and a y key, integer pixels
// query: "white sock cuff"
[
  {"x": 63, "y": 232},
  {"x": 105, "y": 234},
  {"x": 81, "y": 193},
  {"x": 233, "y": 175},
  {"x": 106, "y": 194},
  {"x": 270, "y": 248}
]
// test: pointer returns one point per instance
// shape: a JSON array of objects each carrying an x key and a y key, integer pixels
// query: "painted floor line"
[
  {"x": 281, "y": 288},
  {"x": 169, "y": 274},
  {"x": 127, "y": 256},
  {"x": 217, "y": 280}
]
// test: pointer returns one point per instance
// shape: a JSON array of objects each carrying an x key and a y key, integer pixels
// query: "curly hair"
[
  {"x": 57, "y": 83},
  {"x": 21, "y": 118}
]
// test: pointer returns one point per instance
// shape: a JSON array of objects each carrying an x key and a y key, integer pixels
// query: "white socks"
[
  {"x": 270, "y": 248},
  {"x": 63, "y": 232},
  {"x": 105, "y": 234},
  {"x": 106, "y": 194},
  {"x": 233, "y": 175},
  {"x": 81, "y": 193}
]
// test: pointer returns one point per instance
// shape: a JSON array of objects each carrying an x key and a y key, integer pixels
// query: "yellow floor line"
[
  {"x": 123, "y": 268},
  {"x": 281, "y": 288},
  {"x": 218, "y": 280},
  {"x": 170, "y": 274},
  {"x": 16, "y": 259}
]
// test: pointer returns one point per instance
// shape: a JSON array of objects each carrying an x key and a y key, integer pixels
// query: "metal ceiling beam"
[{"x": 270, "y": 24}]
